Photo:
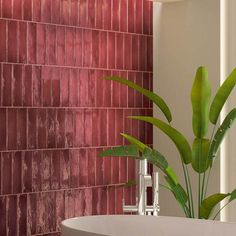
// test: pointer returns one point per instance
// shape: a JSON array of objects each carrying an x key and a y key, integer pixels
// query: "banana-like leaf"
[
  {"x": 179, "y": 140},
  {"x": 160, "y": 103},
  {"x": 178, "y": 192},
  {"x": 200, "y": 97},
  {"x": 209, "y": 204},
  {"x": 135, "y": 142},
  {"x": 156, "y": 158},
  {"x": 122, "y": 151},
  {"x": 200, "y": 160},
  {"x": 232, "y": 196},
  {"x": 220, "y": 134},
  {"x": 221, "y": 96}
]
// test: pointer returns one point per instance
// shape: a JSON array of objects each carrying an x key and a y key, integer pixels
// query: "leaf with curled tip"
[{"x": 157, "y": 100}]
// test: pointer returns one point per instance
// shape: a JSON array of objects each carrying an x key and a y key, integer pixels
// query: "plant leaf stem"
[{"x": 221, "y": 210}]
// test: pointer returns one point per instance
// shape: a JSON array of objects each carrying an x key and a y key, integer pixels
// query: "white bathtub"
[{"x": 144, "y": 226}]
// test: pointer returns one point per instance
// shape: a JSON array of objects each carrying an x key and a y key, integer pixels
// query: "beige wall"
[{"x": 186, "y": 35}]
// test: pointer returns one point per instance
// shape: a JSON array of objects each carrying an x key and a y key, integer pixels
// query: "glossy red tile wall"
[{"x": 56, "y": 115}]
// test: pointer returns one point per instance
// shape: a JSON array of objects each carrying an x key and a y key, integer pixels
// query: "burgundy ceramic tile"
[
  {"x": 146, "y": 17},
  {"x": 55, "y": 11},
  {"x": 88, "y": 125},
  {"x": 22, "y": 214},
  {"x": 83, "y": 167},
  {"x": 100, "y": 87},
  {"x": 96, "y": 129},
  {"x": 108, "y": 170},
  {"x": 41, "y": 211},
  {"x": 124, "y": 91},
  {"x": 143, "y": 53},
  {"x": 74, "y": 168},
  {"x": 142, "y": 129},
  {"x": 60, "y": 208},
  {"x": 12, "y": 129},
  {"x": 139, "y": 17},
  {"x": 6, "y": 172},
  {"x": 127, "y": 123},
  {"x": 116, "y": 91},
  {"x": 99, "y": 201},
  {"x": 64, "y": 87},
  {"x": 88, "y": 201},
  {"x": 3, "y": 213},
  {"x": 70, "y": 127},
  {"x": 17, "y": 9},
  {"x": 12, "y": 41},
  {"x": 111, "y": 50},
  {"x": 119, "y": 51},
  {"x": 55, "y": 87},
  {"x": 47, "y": 87},
  {"x": 12, "y": 216},
  {"x": 119, "y": 116},
  {"x": 17, "y": 172},
  {"x": 3, "y": 129},
  {"x": 55, "y": 170},
  {"x": 111, "y": 129},
  {"x": 41, "y": 43},
  {"x": 106, "y": 13},
  {"x": 87, "y": 48},
  {"x": 27, "y": 171},
  {"x": 83, "y": 13},
  {"x": 119, "y": 198},
  {"x": 91, "y": 13},
  {"x": 99, "y": 14},
  {"x": 45, "y": 11},
  {"x": 17, "y": 85},
  {"x": 103, "y": 127},
  {"x": 149, "y": 129},
  {"x": 32, "y": 41},
  {"x": 46, "y": 170},
  {"x": 78, "y": 47},
  {"x": 111, "y": 201},
  {"x": 60, "y": 45},
  {"x": 95, "y": 48},
  {"x": 27, "y": 10},
  {"x": 36, "y": 171},
  {"x": 135, "y": 52},
  {"x": 65, "y": 169},
  {"x": 27, "y": 86},
  {"x": 69, "y": 204},
  {"x": 106, "y": 89},
  {"x": 69, "y": 53},
  {"x": 138, "y": 96},
  {"x": 21, "y": 128},
  {"x": 123, "y": 170},
  {"x": 116, "y": 15},
  {"x": 115, "y": 165},
  {"x": 128, "y": 51},
  {"x": 74, "y": 88},
  {"x": 92, "y": 165},
  {"x": 3, "y": 31},
  {"x": 131, "y": 92},
  {"x": 32, "y": 214},
  {"x": 42, "y": 128},
  {"x": 83, "y": 88},
  {"x": 124, "y": 16},
  {"x": 7, "y": 85},
  {"x": 79, "y": 132},
  {"x": 36, "y": 10},
  {"x": 131, "y": 15},
  {"x": 91, "y": 87},
  {"x": 22, "y": 42},
  {"x": 60, "y": 128},
  {"x": 99, "y": 167},
  {"x": 51, "y": 45},
  {"x": 150, "y": 53},
  {"x": 103, "y": 49},
  {"x": 74, "y": 8},
  {"x": 7, "y": 9},
  {"x": 65, "y": 6},
  {"x": 51, "y": 127}
]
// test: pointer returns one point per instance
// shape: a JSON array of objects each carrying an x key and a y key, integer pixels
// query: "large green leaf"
[
  {"x": 221, "y": 96},
  {"x": 232, "y": 196},
  {"x": 179, "y": 140},
  {"x": 129, "y": 150},
  {"x": 156, "y": 158},
  {"x": 200, "y": 97},
  {"x": 220, "y": 134},
  {"x": 152, "y": 96},
  {"x": 200, "y": 161},
  {"x": 209, "y": 204},
  {"x": 179, "y": 193},
  {"x": 135, "y": 142}
]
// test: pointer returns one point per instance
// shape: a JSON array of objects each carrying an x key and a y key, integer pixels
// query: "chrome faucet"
[{"x": 144, "y": 181}]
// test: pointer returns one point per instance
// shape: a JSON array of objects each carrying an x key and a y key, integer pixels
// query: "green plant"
[{"x": 200, "y": 155}]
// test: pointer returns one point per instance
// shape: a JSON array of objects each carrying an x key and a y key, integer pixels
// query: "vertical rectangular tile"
[
  {"x": 78, "y": 47},
  {"x": 83, "y": 88},
  {"x": 119, "y": 198},
  {"x": 92, "y": 166},
  {"x": 124, "y": 16},
  {"x": 42, "y": 128},
  {"x": 143, "y": 55},
  {"x": 146, "y": 17},
  {"x": 51, "y": 45},
  {"x": 150, "y": 53},
  {"x": 87, "y": 48},
  {"x": 7, "y": 9},
  {"x": 3, "y": 129},
  {"x": 103, "y": 49},
  {"x": 60, "y": 208},
  {"x": 120, "y": 51},
  {"x": 111, "y": 50},
  {"x": 88, "y": 125},
  {"x": 37, "y": 85},
  {"x": 131, "y": 15},
  {"x": 70, "y": 129},
  {"x": 99, "y": 86},
  {"x": 103, "y": 127},
  {"x": 111, "y": 200},
  {"x": 32, "y": 41},
  {"x": 65, "y": 6},
  {"x": 36, "y": 171},
  {"x": 106, "y": 13},
  {"x": 12, "y": 129},
  {"x": 65, "y": 169},
  {"x": 135, "y": 52},
  {"x": 55, "y": 170},
  {"x": 60, "y": 128},
  {"x": 60, "y": 45},
  {"x": 27, "y": 86},
  {"x": 99, "y": 14},
  {"x": 74, "y": 168},
  {"x": 116, "y": 15},
  {"x": 41, "y": 43},
  {"x": 46, "y": 11},
  {"x": 70, "y": 57},
  {"x": 27, "y": 10},
  {"x": 91, "y": 88},
  {"x": 12, "y": 41},
  {"x": 74, "y": 9},
  {"x": 6, "y": 172},
  {"x": 17, "y": 85},
  {"x": 83, "y": 13},
  {"x": 17, "y": 172},
  {"x": 7, "y": 85},
  {"x": 22, "y": 42},
  {"x": 108, "y": 171},
  {"x": 128, "y": 51},
  {"x": 91, "y": 10},
  {"x": 55, "y": 87},
  {"x": 99, "y": 168},
  {"x": 74, "y": 88},
  {"x": 96, "y": 129},
  {"x": 124, "y": 90},
  {"x": 21, "y": 129},
  {"x": 64, "y": 87},
  {"x": 106, "y": 88},
  {"x": 119, "y": 116},
  {"x": 46, "y": 170},
  {"x": 79, "y": 132},
  {"x": 22, "y": 214},
  {"x": 95, "y": 48},
  {"x": 111, "y": 125},
  {"x": 3, "y": 213},
  {"x": 36, "y": 15},
  {"x": 139, "y": 17},
  {"x": 51, "y": 118},
  {"x": 3, "y": 44},
  {"x": 55, "y": 11},
  {"x": 12, "y": 216},
  {"x": 27, "y": 171},
  {"x": 17, "y": 9}
]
